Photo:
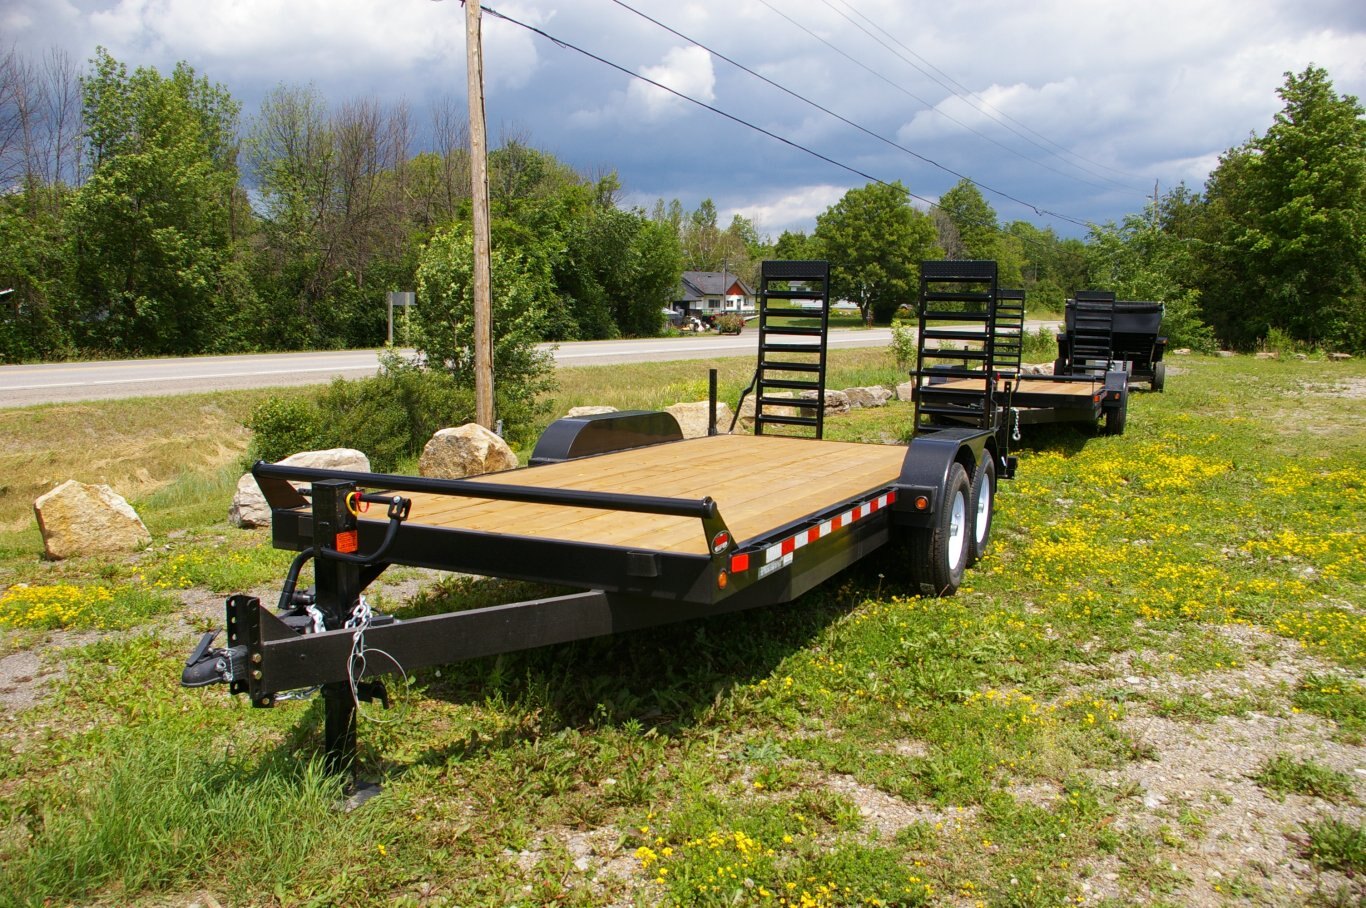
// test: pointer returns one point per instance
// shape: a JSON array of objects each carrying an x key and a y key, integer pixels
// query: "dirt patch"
[
  {"x": 887, "y": 814},
  {"x": 1221, "y": 832},
  {"x": 1347, "y": 388}
]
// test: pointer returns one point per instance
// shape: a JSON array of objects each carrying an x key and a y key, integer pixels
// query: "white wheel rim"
[
  {"x": 957, "y": 529},
  {"x": 983, "y": 511}
]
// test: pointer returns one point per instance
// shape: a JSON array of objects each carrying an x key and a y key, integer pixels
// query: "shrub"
[
  {"x": 389, "y": 417},
  {"x": 282, "y": 426},
  {"x": 523, "y": 294},
  {"x": 730, "y": 324},
  {"x": 903, "y": 345}
]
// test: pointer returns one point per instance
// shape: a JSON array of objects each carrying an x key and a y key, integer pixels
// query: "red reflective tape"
[
  {"x": 891, "y": 497},
  {"x": 739, "y": 563},
  {"x": 348, "y": 542},
  {"x": 835, "y": 523},
  {"x": 813, "y": 534},
  {"x": 789, "y": 545}
]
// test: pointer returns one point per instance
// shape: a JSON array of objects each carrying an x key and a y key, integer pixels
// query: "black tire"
[
  {"x": 982, "y": 506},
  {"x": 1116, "y": 417},
  {"x": 939, "y": 554},
  {"x": 1159, "y": 376}
]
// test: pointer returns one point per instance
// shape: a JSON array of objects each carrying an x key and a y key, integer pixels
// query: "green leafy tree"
[
  {"x": 152, "y": 228},
  {"x": 969, "y": 230},
  {"x": 523, "y": 294},
  {"x": 1284, "y": 225},
  {"x": 1139, "y": 260},
  {"x": 875, "y": 241},
  {"x": 794, "y": 246}
]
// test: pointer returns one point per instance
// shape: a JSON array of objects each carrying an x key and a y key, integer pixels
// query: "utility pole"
[{"x": 479, "y": 193}]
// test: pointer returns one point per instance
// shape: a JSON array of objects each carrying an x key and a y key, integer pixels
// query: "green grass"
[
  {"x": 729, "y": 760},
  {"x": 1283, "y": 774},
  {"x": 1336, "y": 845}
]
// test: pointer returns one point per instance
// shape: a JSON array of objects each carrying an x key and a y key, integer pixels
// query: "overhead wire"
[
  {"x": 963, "y": 92},
  {"x": 845, "y": 120},
  {"x": 567, "y": 45},
  {"x": 928, "y": 105}
]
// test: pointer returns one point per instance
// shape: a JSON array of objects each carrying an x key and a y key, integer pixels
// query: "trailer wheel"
[
  {"x": 982, "y": 503},
  {"x": 1159, "y": 376},
  {"x": 1115, "y": 417},
  {"x": 939, "y": 554}
]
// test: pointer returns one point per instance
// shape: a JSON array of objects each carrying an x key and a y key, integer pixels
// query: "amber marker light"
[
  {"x": 721, "y": 580},
  {"x": 922, "y": 502}
]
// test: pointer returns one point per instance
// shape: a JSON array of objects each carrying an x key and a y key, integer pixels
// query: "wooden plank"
[
  {"x": 758, "y": 482},
  {"x": 1025, "y": 386}
]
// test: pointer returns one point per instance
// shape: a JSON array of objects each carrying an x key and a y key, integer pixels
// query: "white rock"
[
  {"x": 1182, "y": 351},
  {"x": 874, "y": 396},
  {"x": 692, "y": 417},
  {"x": 588, "y": 411},
  {"x": 80, "y": 519},
  {"x": 249, "y": 508},
  {"x": 906, "y": 390},
  {"x": 467, "y": 450}
]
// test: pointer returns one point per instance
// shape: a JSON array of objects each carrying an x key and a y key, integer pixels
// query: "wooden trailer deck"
[
  {"x": 759, "y": 483},
  {"x": 1028, "y": 385}
]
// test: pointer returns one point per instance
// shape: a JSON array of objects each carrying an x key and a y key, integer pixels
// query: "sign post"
[{"x": 398, "y": 298}]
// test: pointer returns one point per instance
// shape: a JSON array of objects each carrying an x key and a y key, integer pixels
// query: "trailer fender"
[
  {"x": 925, "y": 470},
  {"x": 601, "y": 433}
]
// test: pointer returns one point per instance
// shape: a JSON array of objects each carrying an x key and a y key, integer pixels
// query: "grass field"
[{"x": 1150, "y": 692}]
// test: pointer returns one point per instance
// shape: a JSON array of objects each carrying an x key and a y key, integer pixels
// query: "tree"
[
  {"x": 968, "y": 229},
  {"x": 875, "y": 242},
  {"x": 1140, "y": 260},
  {"x": 523, "y": 294},
  {"x": 1284, "y": 227},
  {"x": 794, "y": 246},
  {"x": 155, "y": 268}
]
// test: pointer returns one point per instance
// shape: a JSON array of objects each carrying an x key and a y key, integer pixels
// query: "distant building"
[{"x": 706, "y": 294}]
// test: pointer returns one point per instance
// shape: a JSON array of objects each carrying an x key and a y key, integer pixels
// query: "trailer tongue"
[{"x": 616, "y": 508}]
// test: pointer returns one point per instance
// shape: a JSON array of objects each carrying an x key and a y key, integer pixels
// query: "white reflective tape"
[
  {"x": 773, "y": 553},
  {"x": 847, "y": 517},
  {"x": 825, "y": 528},
  {"x": 799, "y": 540}
]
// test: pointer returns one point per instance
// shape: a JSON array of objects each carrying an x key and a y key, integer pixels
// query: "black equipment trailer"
[
  {"x": 1102, "y": 333},
  {"x": 616, "y": 508},
  {"x": 968, "y": 370}
]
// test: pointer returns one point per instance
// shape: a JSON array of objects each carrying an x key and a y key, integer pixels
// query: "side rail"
[{"x": 276, "y": 482}]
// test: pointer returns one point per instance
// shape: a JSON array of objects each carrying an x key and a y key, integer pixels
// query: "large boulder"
[
  {"x": 874, "y": 396},
  {"x": 467, "y": 450},
  {"x": 80, "y": 519},
  {"x": 692, "y": 418},
  {"x": 747, "y": 409},
  {"x": 588, "y": 411},
  {"x": 249, "y": 508},
  {"x": 836, "y": 402},
  {"x": 906, "y": 390}
]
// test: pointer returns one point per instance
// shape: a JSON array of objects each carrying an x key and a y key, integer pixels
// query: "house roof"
[{"x": 697, "y": 284}]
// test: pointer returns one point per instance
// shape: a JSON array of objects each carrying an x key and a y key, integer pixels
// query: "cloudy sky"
[{"x": 1065, "y": 111}]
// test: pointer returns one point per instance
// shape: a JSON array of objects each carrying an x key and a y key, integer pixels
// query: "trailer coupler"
[{"x": 220, "y": 665}]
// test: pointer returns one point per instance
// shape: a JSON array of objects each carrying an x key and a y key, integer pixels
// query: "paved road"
[{"x": 22, "y": 386}]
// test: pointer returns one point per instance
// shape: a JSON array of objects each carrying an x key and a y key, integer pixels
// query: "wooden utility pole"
[{"x": 479, "y": 190}]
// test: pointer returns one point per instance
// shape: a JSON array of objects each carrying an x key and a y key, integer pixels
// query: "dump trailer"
[
  {"x": 968, "y": 371},
  {"x": 1101, "y": 333},
  {"x": 615, "y": 508}
]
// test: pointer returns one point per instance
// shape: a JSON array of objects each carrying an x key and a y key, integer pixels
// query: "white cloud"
[
  {"x": 686, "y": 70},
  {"x": 786, "y": 209}
]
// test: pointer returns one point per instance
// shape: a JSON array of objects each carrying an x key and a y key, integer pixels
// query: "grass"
[
  {"x": 858, "y": 746},
  {"x": 1283, "y": 774}
]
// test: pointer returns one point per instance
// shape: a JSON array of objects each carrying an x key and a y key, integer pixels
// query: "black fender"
[
  {"x": 925, "y": 470},
  {"x": 601, "y": 433}
]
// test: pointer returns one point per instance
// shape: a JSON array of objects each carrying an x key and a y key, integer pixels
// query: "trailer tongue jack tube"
[{"x": 342, "y": 573}]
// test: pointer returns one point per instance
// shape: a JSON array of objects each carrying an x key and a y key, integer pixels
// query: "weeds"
[{"x": 1283, "y": 774}]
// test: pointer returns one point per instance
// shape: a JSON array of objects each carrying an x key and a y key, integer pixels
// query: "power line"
[
  {"x": 929, "y": 106},
  {"x": 962, "y": 91},
  {"x": 845, "y": 120},
  {"x": 560, "y": 42}
]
